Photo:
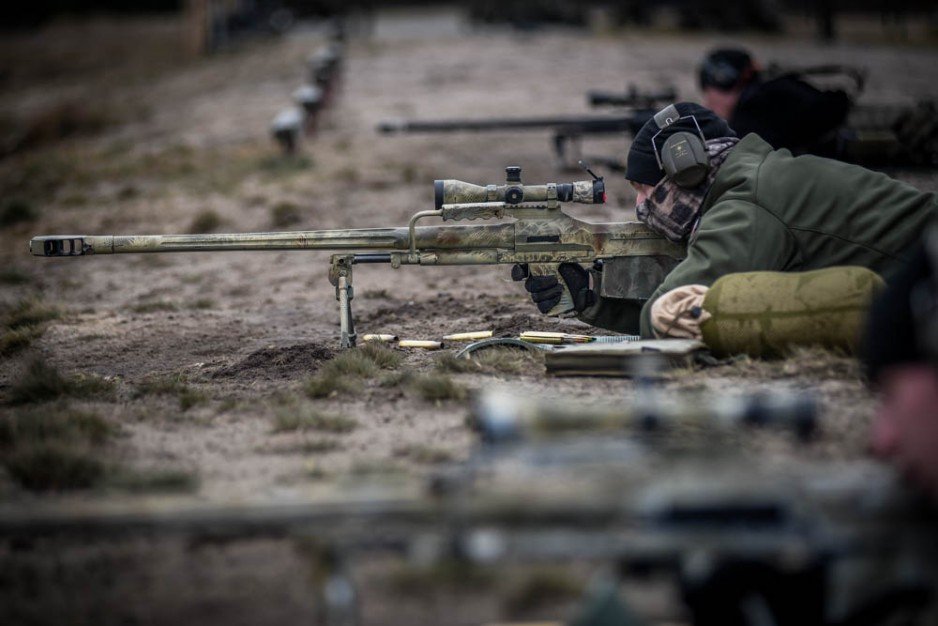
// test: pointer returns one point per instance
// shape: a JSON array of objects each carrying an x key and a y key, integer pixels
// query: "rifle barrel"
[
  {"x": 570, "y": 123},
  {"x": 440, "y": 237}
]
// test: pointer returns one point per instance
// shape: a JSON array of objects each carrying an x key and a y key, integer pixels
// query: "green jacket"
[{"x": 768, "y": 210}]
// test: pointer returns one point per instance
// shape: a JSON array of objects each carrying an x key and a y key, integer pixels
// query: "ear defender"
[{"x": 683, "y": 157}]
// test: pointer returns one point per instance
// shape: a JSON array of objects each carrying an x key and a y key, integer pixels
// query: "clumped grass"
[
  {"x": 437, "y": 388},
  {"x": 51, "y": 448},
  {"x": 41, "y": 382},
  {"x": 421, "y": 453},
  {"x": 22, "y": 324},
  {"x": 202, "y": 304},
  {"x": 154, "y": 307},
  {"x": 206, "y": 221},
  {"x": 385, "y": 358},
  {"x": 294, "y": 419},
  {"x": 285, "y": 214},
  {"x": 492, "y": 360},
  {"x": 172, "y": 385},
  {"x": 17, "y": 211},
  {"x": 327, "y": 384},
  {"x": 395, "y": 379},
  {"x": 28, "y": 312},
  {"x": 154, "y": 481},
  {"x": 547, "y": 586},
  {"x": 345, "y": 373},
  {"x": 63, "y": 423},
  {"x": 54, "y": 466},
  {"x": 13, "y": 277},
  {"x": 13, "y": 341}
]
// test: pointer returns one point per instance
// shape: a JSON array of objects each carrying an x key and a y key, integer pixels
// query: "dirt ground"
[{"x": 207, "y": 357}]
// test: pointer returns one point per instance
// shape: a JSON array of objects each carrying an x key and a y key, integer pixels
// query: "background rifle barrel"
[
  {"x": 439, "y": 237},
  {"x": 578, "y": 123}
]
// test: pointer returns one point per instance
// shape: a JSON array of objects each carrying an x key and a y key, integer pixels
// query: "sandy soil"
[{"x": 248, "y": 329}]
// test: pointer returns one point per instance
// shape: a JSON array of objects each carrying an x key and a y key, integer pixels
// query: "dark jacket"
[
  {"x": 768, "y": 210},
  {"x": 789, "y": 113}
]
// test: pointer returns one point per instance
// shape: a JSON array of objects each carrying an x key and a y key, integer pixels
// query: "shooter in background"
[{"x": 784, "y": 110}]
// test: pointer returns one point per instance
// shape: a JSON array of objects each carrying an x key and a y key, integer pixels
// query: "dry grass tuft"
[
  {"x": 493, "y": 360},
  {"x": 29, "y": 312},
  {"x": 437, "y": 388},
  {"x": 13, "y": 341},
  {"x": 327, "y": 384},
  {"x": 34, "y": 425},
  {"x": 172, "y": 385},
  {"x": 23, "y": 323},
  {"x": 302, "y": 419},
  {"x": 344, "y": 373},
  {"x": 54, "y": 466},
  {"x": 385, "y": 358},
  {"x": 40, "y": 382},
  {"x": 396, "y": 379}
]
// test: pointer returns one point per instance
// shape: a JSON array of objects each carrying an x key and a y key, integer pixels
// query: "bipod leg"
[{"x": 340, "y": 275}]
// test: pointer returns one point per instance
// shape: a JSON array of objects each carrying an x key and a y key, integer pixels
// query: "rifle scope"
[{"x": 514, "y": 192}]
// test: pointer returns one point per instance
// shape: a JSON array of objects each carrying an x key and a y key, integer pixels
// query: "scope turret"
[{"x": 514, "y": 192}]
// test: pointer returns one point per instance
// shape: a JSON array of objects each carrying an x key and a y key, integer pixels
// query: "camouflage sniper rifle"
[
  {"x": 542, "y": 236},
  {"x": 568, "y": 129}
]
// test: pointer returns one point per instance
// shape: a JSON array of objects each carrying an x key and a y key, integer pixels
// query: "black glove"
[{"x": 546, "y": 290}]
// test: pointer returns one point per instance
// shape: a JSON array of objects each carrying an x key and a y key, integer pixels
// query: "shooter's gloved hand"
[{"x": 546, "y": 291}]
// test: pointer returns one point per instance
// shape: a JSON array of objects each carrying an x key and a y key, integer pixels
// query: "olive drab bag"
[{"x": 768, "y": 313}]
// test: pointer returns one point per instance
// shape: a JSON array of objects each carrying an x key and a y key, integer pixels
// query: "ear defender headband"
[{"x": 683, "y": 157}]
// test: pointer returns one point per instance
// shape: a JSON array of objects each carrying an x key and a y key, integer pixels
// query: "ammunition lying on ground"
[
  {"x": 533, "y": 336},
  {"x": 380, "y": 338},
  {"x": 417, "y": 343},
  {"x": 473, "y": 336}
]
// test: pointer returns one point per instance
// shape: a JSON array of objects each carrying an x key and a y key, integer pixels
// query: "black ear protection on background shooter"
[{"x": 683, "y": 157}]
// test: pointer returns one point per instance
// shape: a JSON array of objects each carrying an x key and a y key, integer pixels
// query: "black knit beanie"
[{"x": 642, "y": 166}]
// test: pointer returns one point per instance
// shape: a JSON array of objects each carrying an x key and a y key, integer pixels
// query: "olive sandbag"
[{"x": 768, "y": 313}]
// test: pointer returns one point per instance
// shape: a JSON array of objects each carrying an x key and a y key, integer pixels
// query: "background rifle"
[
  {"x": 541, "y": 237},
  {"x": 767, "y": 545},
  {"x": 568, "y": 130}
]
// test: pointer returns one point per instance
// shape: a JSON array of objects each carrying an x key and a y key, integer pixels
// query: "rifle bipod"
[{"x": 340, "y": 275}]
